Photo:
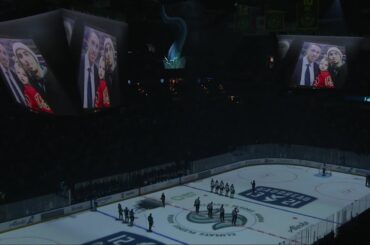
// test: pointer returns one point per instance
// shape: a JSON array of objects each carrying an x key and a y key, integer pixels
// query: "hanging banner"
[
  {"x": 246, "y": 18},
  {"x": 241, "y": 18},
  {"x": 274, "y": 20},
  {"x": 307, "y": 14}
]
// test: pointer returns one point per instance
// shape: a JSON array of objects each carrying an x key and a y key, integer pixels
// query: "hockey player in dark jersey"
[
  {"x": 132, "y": 217},
  {"x": 210, "y": 209},
  {"x": 234, "y": 215},
  {"x": 222, "y": 213},
  {"x": 120, "y": 212},
  {"x": 253, "y": 183},
  {"x": 232, "y": 191},
  {"x": 197, "y": 204},
  {"x": 126, "y": 215},
  {"x": 150, "y": 222},
  {"x": 163, "y": 199}
]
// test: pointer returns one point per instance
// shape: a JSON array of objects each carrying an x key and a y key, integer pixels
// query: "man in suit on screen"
[
  {"x": 307, "y": 69},
  {"x": 88, "y": 79}
]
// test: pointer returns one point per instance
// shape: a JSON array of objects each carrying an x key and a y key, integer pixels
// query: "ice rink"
[{"x": 287, "y": 200}]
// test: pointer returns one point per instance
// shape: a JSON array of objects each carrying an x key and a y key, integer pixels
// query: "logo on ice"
[
  {"x": 124, "y": 238},
  {"x": 202, "y": 218},
  {"x": 278, "y": 197},
  {"x": 297, "y": 227}
]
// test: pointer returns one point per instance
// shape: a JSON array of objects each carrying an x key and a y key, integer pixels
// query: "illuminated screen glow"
[
  {"x": 321, "y": 65},
  {"x": 25, "y": 74},
  {"x": 98, "y": 69}
]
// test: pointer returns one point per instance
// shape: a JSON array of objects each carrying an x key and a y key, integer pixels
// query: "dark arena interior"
[{"x": 175, "y": 82}]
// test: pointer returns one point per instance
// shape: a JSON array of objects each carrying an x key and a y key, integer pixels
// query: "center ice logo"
[
  {"x": 278, "y": 197},
  {"x": 202, "y": 218},
  {"x": 124, "y": 238},
  {"x": 202, "y": 225}
]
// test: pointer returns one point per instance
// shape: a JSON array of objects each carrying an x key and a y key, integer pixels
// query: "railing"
[
  {"x": 32, "y": 206},
  {"x": 86, "y": 191},
  {"x": 316, "y": 154},
  {"x": 317, "y": 231},
  {"x": 118, "y": 183}
]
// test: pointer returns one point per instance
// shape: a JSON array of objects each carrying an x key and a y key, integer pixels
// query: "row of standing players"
[
  {"x": 234, "y": 213},
  {"x": 129, "y": 215},
  {"x": 220, "y": 187}
]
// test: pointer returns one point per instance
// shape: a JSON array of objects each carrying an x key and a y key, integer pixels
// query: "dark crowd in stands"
[{"x": 99, "y": 188}]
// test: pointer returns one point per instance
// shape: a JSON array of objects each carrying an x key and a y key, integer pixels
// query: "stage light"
[
  {"x": 271, "y": 62},
  {"x": 335, "y": 10}
]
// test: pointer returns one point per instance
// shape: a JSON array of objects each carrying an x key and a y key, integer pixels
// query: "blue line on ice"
[{"x": 143, "y": 228}]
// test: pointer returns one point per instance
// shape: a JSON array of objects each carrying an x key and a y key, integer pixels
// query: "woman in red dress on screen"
[
  {"x": 33, "y": 98},
  {"x": 102, "y": 96},
  {"x": 323, "y": 79}
]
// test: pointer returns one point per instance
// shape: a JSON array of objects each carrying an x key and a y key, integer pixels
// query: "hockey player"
[
  {"x": 324, "y": 169},
  {"x": 210, "y": 209},
  {"x": 196, "y": 205},
  {"x": 222, "y": 187},
  {"x": 232, "y": 191},
  {"x": 132, "y": 217},
  {"x": 212, "y": 185},
  {"x": 217, "y": 186},
  {"x": 253, "y": 183},
  {"x": 234, "y": 215},
  {"x": 163, "y": 199},
  {"x": 120, "y": 212},
  {"x": 126, "y": 215},
  {"x": 94, "y": 204},
  {"x": 150, "y": 222},
  {"x": 222, "y": 213},
  {"x": 227, "y": 189}
]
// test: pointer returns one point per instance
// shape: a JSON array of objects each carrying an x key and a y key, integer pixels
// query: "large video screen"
[
  {"x": 98, "y": 68},
  {"x": 320, "y": 62},
  {"x": 35, "y": 64},
  {"x": 98, "y": 48},
  {"x": 25, "y": 74},
  {"x": 321, "y": 65}
]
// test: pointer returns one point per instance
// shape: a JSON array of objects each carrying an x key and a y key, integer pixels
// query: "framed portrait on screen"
[{"x": 98, "y": 71}]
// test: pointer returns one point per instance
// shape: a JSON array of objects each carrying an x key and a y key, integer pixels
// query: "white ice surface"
[{"x": 266, "y": 223}]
